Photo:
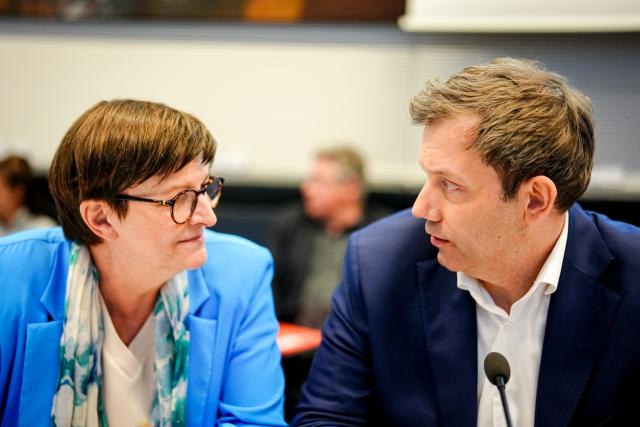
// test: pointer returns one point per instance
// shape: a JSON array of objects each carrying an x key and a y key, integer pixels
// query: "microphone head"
[{"x": 495, "y": 365}]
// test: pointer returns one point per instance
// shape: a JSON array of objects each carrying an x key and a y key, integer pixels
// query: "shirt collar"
[{"x": 550, "y": 271}]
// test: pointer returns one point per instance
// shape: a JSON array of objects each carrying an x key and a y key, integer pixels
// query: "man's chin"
[{"x": 446, "y": 262}]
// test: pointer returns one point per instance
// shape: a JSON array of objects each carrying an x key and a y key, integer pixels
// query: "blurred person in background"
[
  {"x": 16, "y": 212},
  {"x": 309, "y": 245},
  {"x": 310, "y": 242},
  {"x": 133, "y": 313}
]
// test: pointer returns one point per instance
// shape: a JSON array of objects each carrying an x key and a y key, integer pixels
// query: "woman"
[
  {"x": 16, "y": 214},
  {"x": 133, "y": 313}
]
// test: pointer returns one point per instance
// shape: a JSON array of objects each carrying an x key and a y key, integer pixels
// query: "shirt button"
[{"x": 507, "y": 326}]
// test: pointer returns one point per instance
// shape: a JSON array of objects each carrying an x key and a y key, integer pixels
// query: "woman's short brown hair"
[
  {"x": 531, "y": 122},
  {"x": 116, "y": 145}
]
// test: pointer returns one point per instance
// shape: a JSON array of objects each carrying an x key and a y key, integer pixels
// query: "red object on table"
[{"x": 295, "y": 339}]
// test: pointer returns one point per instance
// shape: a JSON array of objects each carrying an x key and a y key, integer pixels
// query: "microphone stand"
[{"x": 500, "y": 383}]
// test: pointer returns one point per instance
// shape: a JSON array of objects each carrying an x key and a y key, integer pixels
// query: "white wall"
[
  {"x": 271, "y": 94},
  {"x": 267, "y": 95}
]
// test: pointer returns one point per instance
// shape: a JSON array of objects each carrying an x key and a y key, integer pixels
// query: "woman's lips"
[{"x": 193, "y": 239}]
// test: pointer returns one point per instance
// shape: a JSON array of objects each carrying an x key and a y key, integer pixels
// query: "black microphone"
[{"x": 497, "y": 370}]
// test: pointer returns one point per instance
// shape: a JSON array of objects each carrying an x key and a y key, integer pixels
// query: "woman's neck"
[
  {"x": 128, "y": 316},
  {"x": 129, "y": 293}
]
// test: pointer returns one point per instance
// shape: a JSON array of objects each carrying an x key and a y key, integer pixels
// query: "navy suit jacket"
[{"x": 400, "y": 345}]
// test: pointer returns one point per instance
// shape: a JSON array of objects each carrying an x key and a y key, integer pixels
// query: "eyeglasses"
[{"x": 183, "y": 204}]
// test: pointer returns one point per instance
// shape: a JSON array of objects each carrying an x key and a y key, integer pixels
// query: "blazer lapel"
[
  {"x": 40, "y": 372},
  {"x": 202, "y": 339},
  {"x": 449, "y": 319},
  {"x": 580, "y": 315},
  {"x": 201, "y": 356},
  {"x": 42, "y": 349}
]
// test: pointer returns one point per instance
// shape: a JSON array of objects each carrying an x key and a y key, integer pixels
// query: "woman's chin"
[{"x": 196, "y": 259}]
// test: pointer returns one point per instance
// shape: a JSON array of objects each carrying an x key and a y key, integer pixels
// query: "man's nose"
[{"x": 426, "y": 204}]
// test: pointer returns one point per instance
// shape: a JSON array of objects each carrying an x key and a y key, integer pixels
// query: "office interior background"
[{"x": 274, "y": 88}]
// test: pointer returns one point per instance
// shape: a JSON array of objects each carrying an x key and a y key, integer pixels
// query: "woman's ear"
[
  {"x": 541, "y": 194},
  {"x": 97, "y": 214}
]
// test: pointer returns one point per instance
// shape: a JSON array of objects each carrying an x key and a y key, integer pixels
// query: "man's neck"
[
  {"x": 506, "y": 292},
  {"x": 347, "y": 218},
  {"x": 514, "y": 281}
]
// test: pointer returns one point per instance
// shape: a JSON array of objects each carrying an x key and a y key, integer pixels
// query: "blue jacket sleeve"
[
  {"x": 255, "y": 355},
  {"x": 339, "y": 390}
]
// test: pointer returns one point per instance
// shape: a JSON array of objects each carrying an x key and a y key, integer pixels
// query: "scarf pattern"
[{"x": 78, "y": 399}]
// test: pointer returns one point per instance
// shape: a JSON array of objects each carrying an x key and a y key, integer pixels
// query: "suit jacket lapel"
[
  {"x": 579, "y": 318},
  {"x": 202, "y": 339},
  {"x": 54, "y": 294},
  {"x": 449, "y": 320}
]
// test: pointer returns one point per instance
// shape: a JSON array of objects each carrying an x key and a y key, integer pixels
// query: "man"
[
  {"x": 509, "y": 263},
  {"x": 310, "y": 244}
]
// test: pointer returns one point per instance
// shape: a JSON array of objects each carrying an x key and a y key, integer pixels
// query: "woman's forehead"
[{"x": 191, "y": 175}]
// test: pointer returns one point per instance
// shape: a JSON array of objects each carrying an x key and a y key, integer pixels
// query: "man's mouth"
[{"x": 435, "y": 239}]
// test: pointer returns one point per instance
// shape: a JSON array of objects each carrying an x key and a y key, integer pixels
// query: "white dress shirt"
[{"x": 518, "y": 336}]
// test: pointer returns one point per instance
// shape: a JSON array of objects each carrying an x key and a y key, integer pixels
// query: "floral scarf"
[{"x": 78, "y": 399}]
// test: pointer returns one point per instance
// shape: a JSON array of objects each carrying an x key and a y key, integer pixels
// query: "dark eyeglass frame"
[{"x": 212, "y": 180}]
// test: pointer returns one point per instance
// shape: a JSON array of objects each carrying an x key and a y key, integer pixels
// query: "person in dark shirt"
[
  {"x": 309, "y": 245},
  {"x": 310, "y": 242}
]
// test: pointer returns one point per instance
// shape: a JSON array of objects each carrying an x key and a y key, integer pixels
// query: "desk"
[{"x": 294, "y": 339}]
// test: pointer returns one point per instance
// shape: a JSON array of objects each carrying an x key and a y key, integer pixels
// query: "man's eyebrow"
[{"x": 447, "y": 173}]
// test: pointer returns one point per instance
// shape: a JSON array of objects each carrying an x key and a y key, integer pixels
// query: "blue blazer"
[
  {"x": 400, "y": 346},
  {"x": 235, "y": 377}
]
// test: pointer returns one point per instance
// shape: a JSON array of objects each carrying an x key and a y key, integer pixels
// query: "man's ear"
[
  {"x": 540, "y": 196},
  {"x": 98, "y": 216},
  {"x": 355, "y": 189}
]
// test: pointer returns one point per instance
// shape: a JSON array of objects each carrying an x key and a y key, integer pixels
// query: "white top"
[
  {"x": 128, "y": 379},
  {"x": 518, "y": 336}
]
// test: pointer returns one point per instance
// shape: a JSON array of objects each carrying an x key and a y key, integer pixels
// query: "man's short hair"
[
  {"x": 116, "y": 145},
  {"x": 531, "y": 122},
  {"x": 349, "y": 161}
]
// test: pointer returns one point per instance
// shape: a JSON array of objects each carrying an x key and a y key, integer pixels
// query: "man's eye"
[{"x": 450, "y": 186}]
